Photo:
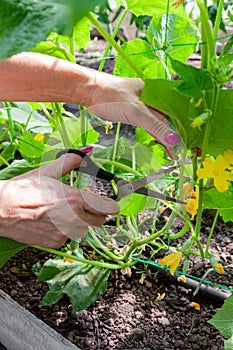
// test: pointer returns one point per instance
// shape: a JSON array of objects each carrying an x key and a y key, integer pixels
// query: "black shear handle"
[{"x": 90, "y": 168}]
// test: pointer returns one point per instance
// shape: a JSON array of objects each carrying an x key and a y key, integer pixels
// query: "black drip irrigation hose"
[{"x": 206, "y": 290}]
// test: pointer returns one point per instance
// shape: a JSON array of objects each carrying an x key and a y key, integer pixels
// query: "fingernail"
[
  {"x": 87, "y": 149},
  {"x": 172, "y": 138}
]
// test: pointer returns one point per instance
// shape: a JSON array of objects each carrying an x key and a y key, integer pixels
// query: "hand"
[
  {"x": 117, "y": 99},
  {"x": 38, "y": 209}
]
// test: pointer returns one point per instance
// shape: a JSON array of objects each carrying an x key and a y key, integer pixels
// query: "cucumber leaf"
[
  {"x": 16, "y": 168},
  {"x": 165, "y": 96},
  {"x": 74, "y": 133},
  {"x": 173, "y": 35},
  {"x": 223, "y": 319},
  {"x": 150, "y": 7},
  {"x": 9, "y": 248},
  {"x": 29, "y": 147},
  {"x": 50, "y": 49},
  {"x": 195, "y": 82},
  {"x": 228, "y": 344},
  {"x": 151, "y": 144},
  {"x": 7, "y": 154},
  {"x": 135, "y": 203},
  {"x": 25, "y": 23},
  {"x": 149, "y": 56},
  {"x": 142, "y": 54},
  {"x": 81, "y": 282},
  {"x": 81, "y": 35},
  {"x": 220, "y": 200},
  {"x": 23, "y": 114}
]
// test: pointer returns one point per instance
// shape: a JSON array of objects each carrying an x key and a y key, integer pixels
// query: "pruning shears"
[{"x": 122, "y": 187}]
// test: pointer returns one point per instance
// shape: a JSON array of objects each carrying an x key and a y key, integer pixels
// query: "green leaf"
[
  {"x": 16, "y": 168},
  {"x": 7, "y": 154},
  {"x": 228, "y": 344},
  {"x": 142, "y": 54},
  {"x": 23, "y": 114},
  {"x": 82, "y": 283},
  {"x": 29, "y": 147},
  {"x": 74, "y": 132},
  {"x": 165, "y": 96},
  {"x": 135, "y": 203},
  {"x": 146, "y": 161},
  {"x": 81, "y": 35},
  {"x": 150, "y": 143},
  {"x": 221, "y": 137},
  {"x": 177, "y": 35},
  {"x": 227, "y": 47},
  {"x": 220, "y": 200},
  {"x": 123, "y": 155},
  {"x": 9, "y": 248},
  {"x": 195, "y": 82},
  {"x": 223, "y": 319},
  {"x": 51, "y": 49},
  {"x": 25, "y": 23},
  {"x": 151, "y": 7}
]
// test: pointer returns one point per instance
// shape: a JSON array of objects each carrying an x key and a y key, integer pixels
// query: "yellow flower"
[
  {"x": 228, "y": 156},
  {"x": 218, "y": 268},
  {"x": 160, "y": 296},
  {"x": 39, "y": 137},
  {"x": 108, "y": 126},
  {"x": 66, "y": 259},
  {"x": 196, "y": 306},
  {"x": 178, "y": 3},
  {"x": 181, "y": 278},
  {"x": 217, "y": 169},
  {"x": 191, "y": 196},
  {"x": 172, "y": 260},
  {"x": 198, "y": 103}
]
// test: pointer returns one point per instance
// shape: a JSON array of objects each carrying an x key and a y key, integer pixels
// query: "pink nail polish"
[
  {"x": 172, "y": 138},
  {"x": 87, "y": 149}
]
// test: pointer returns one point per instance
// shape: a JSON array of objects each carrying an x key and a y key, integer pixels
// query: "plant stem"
[
  {"x": 101, "y": 246},
  {"x": 115, "y": 145},
  {"x": 131, "y": 227},
  {"x": 83, "y": 116},
  {"x": 120, "y": 51},
  {"x": 62, "y": 128},
  {"x": 71, "y": 40},
  {"x": 4, "y": 161},
  {"x": 218, "y": 19},
  {"x": 83, "y": 260},
  {"x": 108, "y": 48},
  {"x": 211, "y": 233},
  {"x": 10, "y": 121},
  {"x": 194, "y": 165},
  {"x": 182, "y": 170},
  {"x": 120, "y": 165},
  {"x": 165, "y": 38},
  {"x": 46, "y": 112},
  {"x": 181, "y": 233},
  {"x": 204, "y": 152},
  {"x": 207, "y": 32}
]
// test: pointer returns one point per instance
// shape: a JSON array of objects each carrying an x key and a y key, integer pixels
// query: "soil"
[{"x": 131, "y": 314}]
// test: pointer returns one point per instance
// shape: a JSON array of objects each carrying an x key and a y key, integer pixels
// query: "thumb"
[
  {"x": 61, "y": 166},
  {"x": 96, "y": 204}
]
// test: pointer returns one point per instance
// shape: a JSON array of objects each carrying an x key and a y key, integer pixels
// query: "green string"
[
  {"x": 154, "y": 263},
  {"x": 28, "y": 143}
]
